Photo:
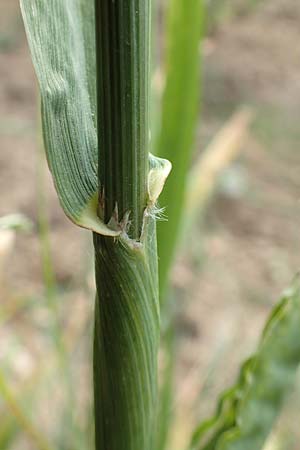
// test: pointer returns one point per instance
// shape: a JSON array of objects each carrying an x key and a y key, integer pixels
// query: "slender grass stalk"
[
  {"x": 123, "y": 64},
  {"x": 127, "y": 312}
]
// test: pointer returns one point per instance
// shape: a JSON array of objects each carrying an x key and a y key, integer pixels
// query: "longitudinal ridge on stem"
[{"x": 122, "y": 46}]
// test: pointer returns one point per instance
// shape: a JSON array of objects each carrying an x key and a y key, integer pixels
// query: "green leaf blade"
[{"x": 61, "y": 39}]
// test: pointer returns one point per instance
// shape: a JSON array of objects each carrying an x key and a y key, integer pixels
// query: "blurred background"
[{"x": 240, "y": 252}]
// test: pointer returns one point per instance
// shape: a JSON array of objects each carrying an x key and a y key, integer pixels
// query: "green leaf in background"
[
  {"x": 247, "y": 412},
  {"x": 180, "y": 106}
]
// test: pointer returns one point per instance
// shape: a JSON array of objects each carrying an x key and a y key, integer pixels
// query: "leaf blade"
[
  {"x": 60, "y": 35},
  {"x": 180, "y": 106}
]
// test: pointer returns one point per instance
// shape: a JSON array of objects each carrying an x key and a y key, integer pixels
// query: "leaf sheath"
[{"x": 126, "y": 343}]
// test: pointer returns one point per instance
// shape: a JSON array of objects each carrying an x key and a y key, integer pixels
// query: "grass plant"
[{"x": 92, "y": 60}]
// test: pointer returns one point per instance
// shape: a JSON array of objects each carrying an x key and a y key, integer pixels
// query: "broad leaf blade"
[
  {"x": 246, "y": 412},
  {"x": 61, "y": 39}
]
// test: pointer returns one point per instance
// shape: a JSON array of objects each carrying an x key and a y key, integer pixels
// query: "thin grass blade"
[{"x": 180, "y": 106}]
